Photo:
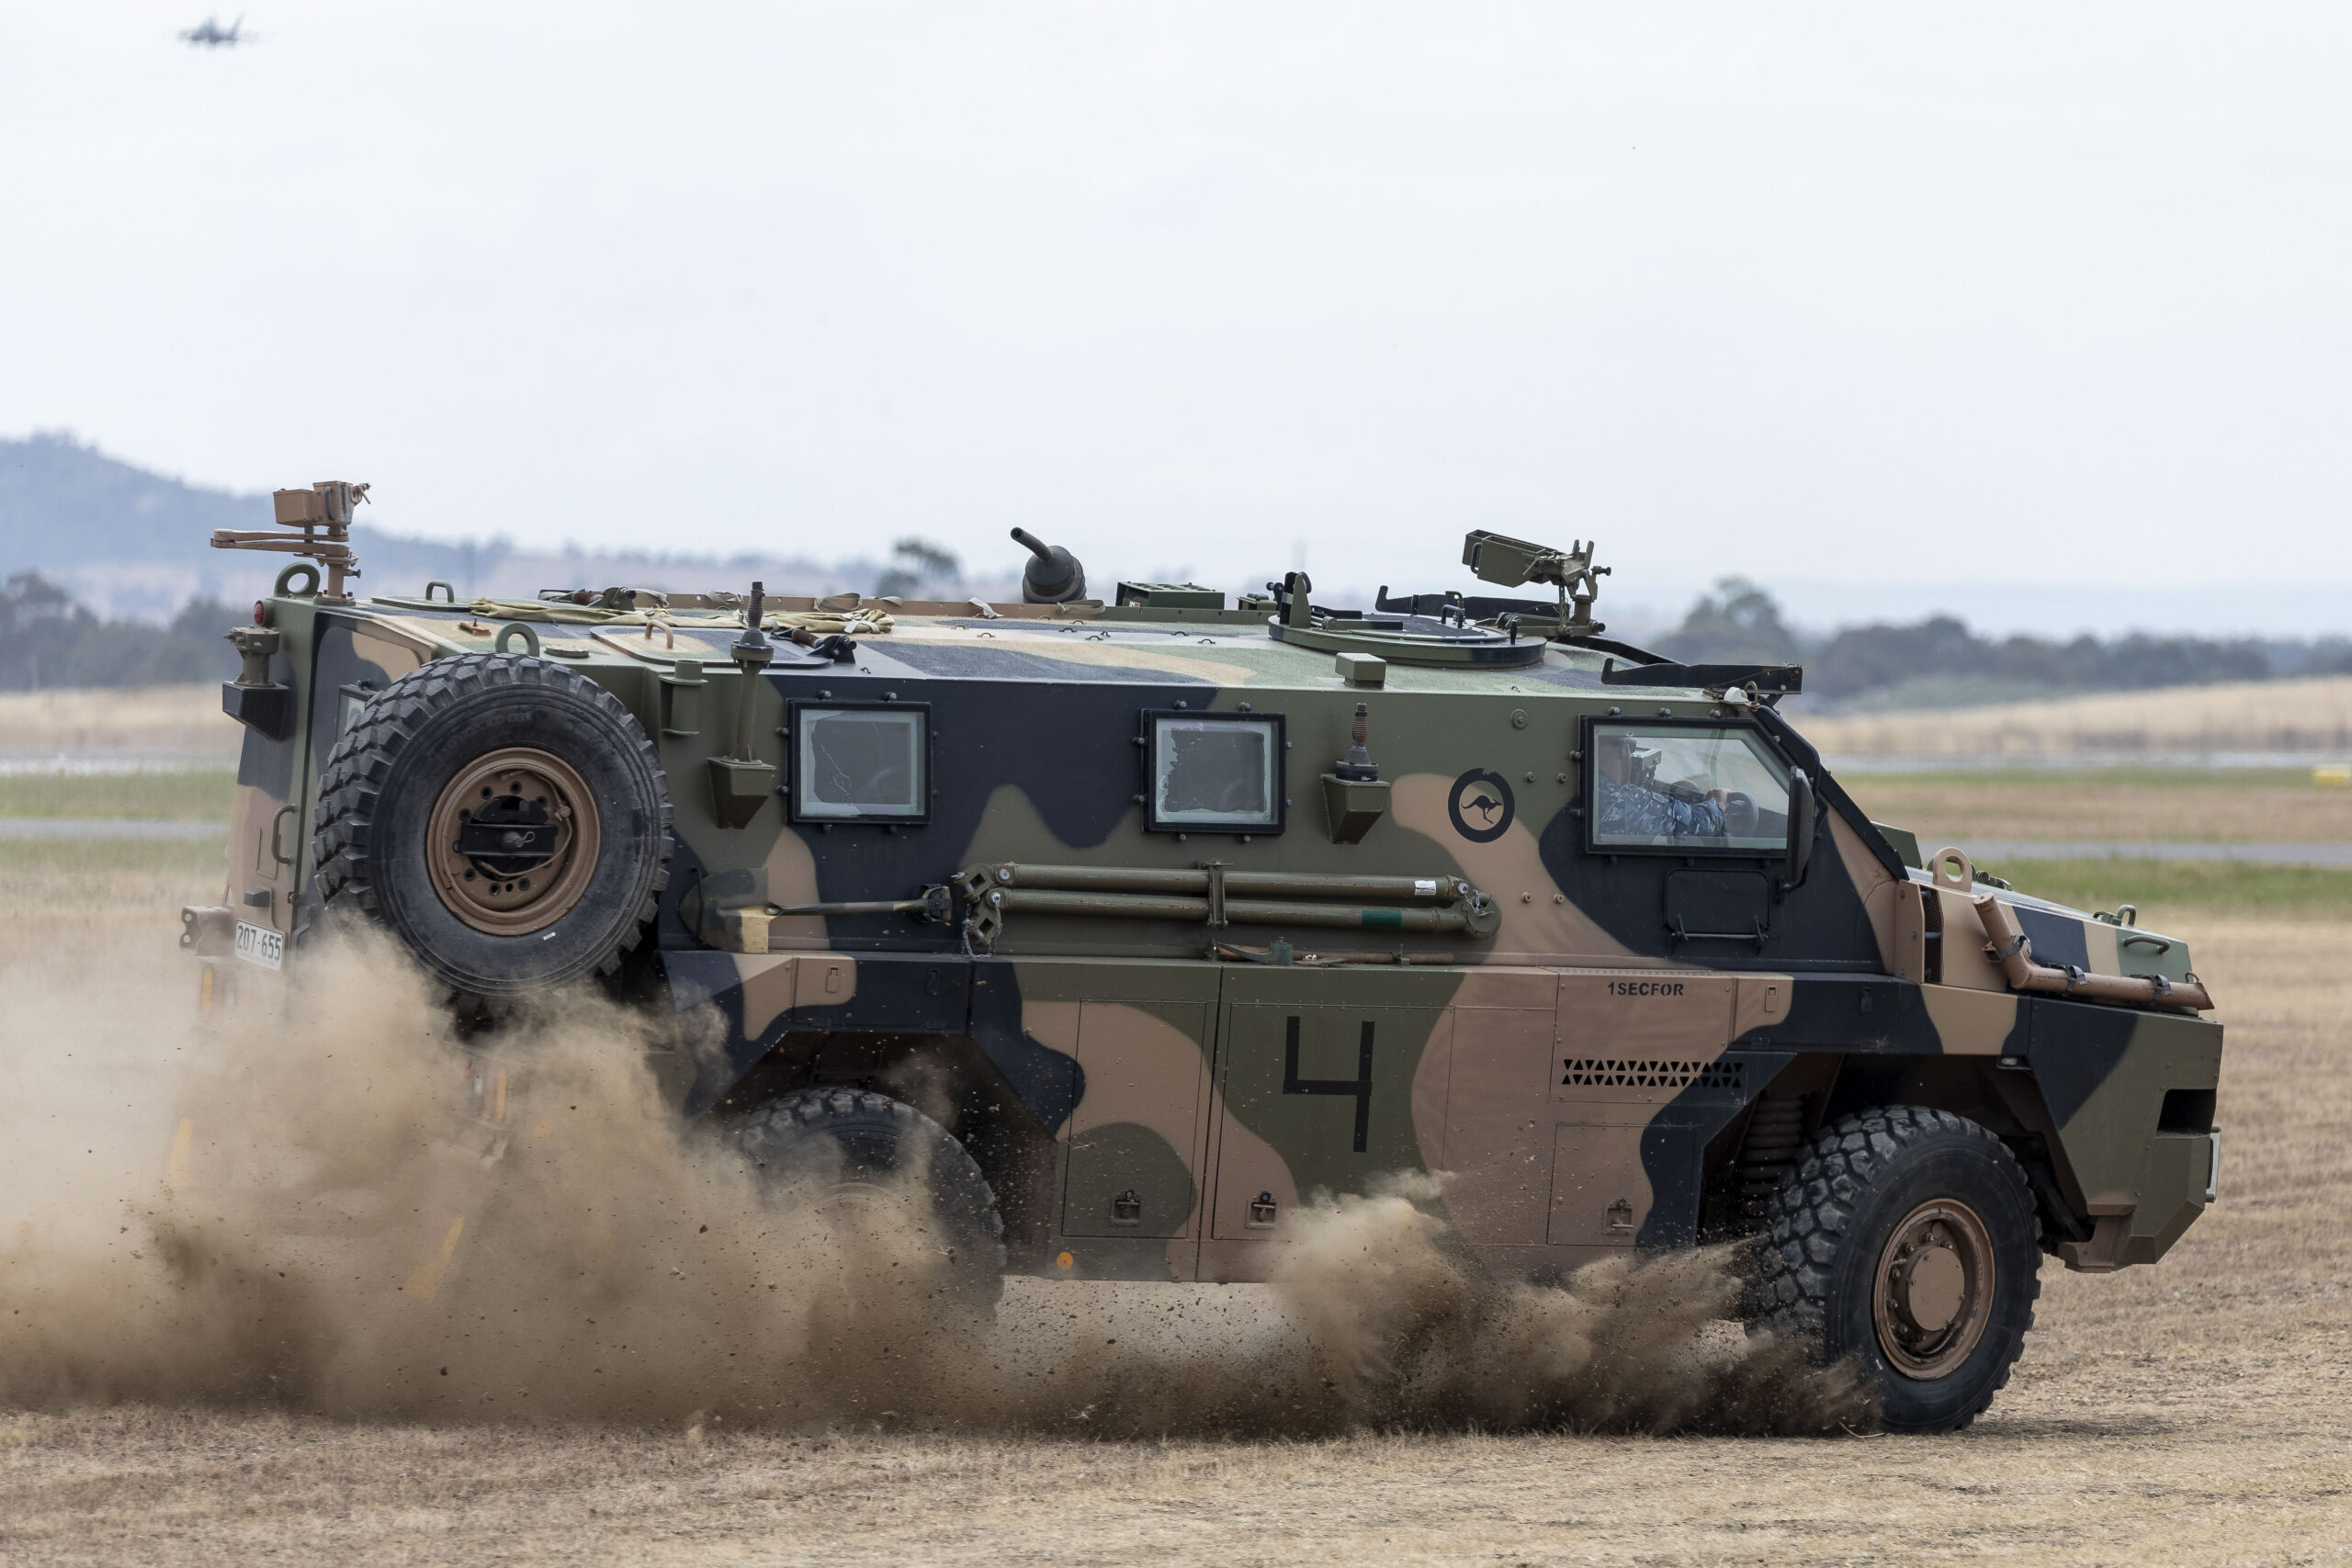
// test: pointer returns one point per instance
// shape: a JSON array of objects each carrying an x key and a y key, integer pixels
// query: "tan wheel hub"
[
  {"x": 513, "y": 841},
  {"x": 1934, "y": 1289}
]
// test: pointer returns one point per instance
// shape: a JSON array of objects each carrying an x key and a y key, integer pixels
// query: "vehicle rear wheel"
[
  {"x": 867, "y": 1158},
  {"x": 504, "y": 816},
  {"x": 1906, "y": 1238}
]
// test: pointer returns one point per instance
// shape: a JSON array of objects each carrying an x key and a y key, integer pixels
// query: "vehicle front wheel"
[{"x": 1906, "y": 1238}]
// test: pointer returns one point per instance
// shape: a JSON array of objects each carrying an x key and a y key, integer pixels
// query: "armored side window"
[
  {"x": 1214, "y": 772},
  {"x": 1683, "y": 789},
  {"x": 861, "y": 762}
]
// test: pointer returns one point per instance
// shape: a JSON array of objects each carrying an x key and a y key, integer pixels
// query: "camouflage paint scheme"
[{"x": 1588, "y": 1077}]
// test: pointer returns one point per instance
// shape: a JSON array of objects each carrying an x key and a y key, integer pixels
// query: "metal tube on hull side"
[
  {"x": 1442, "y": 889},
  {"x": 1269, "y": 912},
  {"x": 2014, "y": 952},
  {"x": 1130, "y": 906},
  {"x": 1238, "y": 911},
  {"x": 1142, "y": 879},
  {"x": 1102, "y": 878}
]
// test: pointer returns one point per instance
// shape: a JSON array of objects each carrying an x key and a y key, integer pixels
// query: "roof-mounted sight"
[
  {"x": 1054, "y": 578},
  {"x": 323, "y": 516},
  {"x": 1492, "y": 557}
]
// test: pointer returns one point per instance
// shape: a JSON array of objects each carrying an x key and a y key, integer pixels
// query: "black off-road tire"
[
  {"x": 1829, "y": 1227},
  {"x": 814, "y": 1142},
  {"x": 403, "y": 748}
]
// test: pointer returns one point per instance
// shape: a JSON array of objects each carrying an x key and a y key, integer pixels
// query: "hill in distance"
[{"x": 134, "y": 545}]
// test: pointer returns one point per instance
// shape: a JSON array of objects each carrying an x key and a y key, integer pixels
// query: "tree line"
[
  {"x": 1939, "y": 661},
  {"x": 49, "y": 639}
]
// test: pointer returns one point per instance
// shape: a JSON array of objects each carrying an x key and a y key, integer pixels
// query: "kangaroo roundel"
[{"x": 1481, "y": 806}]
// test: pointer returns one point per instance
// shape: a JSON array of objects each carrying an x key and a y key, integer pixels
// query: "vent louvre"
[{"x": 1602, "y": 1072}]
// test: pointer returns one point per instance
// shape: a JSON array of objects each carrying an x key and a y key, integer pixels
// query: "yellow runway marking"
[
  {"x": 425, "y": 1282},
  {"x": 179, "y": 1172}
]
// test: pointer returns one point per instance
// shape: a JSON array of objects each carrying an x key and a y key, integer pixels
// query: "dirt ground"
[{"x": 2197, "y": 1412}]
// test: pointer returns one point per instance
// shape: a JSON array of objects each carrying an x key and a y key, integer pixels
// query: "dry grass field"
[
  {"x": 2220, "y": 805},
  {"x": 2314, "y": 715},
  {"x": 149, "y": 719},
  {"x": 191, "y": 795}
]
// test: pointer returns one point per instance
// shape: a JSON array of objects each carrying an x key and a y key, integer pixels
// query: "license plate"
[{"x": 259, "y": 944}]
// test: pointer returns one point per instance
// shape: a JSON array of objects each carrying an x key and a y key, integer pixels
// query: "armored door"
[
  {"x": 1498, "y": 1138},
  {"x": 1134, "y": 1138},
  {"x": 1327, "y": 1081}
]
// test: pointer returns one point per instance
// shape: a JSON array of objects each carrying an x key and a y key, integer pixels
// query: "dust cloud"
[{"x": 315, "y": 1242}]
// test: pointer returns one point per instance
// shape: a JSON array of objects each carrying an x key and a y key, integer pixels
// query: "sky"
[{"x": 2035, "y": 313}]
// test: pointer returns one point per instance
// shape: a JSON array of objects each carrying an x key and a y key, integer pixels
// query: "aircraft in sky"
[{"x": 210, "y": 34}]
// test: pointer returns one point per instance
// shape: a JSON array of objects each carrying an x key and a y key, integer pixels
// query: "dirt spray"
[{"x": 311, "y": 1239}]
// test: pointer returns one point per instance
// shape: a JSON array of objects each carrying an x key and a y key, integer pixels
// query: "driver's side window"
[{"x": 1683, "y": 787}]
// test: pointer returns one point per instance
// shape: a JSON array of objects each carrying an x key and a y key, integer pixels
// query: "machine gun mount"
[{"x": 1492, "y": 557}]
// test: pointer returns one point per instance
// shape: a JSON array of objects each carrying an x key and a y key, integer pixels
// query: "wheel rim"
[
  {"x": 513, "y": 841},
  {"x": 1934, "y": 1288},
  {"x": 863, "y": 1202}
]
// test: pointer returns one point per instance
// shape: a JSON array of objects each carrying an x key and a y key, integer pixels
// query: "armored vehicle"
[{"x": 1137, "y": 920}]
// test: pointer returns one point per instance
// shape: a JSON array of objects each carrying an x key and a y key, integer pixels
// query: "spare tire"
[{"x": 502, "y": 815}]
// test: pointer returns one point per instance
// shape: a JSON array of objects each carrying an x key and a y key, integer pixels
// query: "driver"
[{"x": 1632, "y": 806}]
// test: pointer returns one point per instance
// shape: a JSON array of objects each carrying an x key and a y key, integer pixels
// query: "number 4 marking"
[{"x": 1359, "y": 1086}]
